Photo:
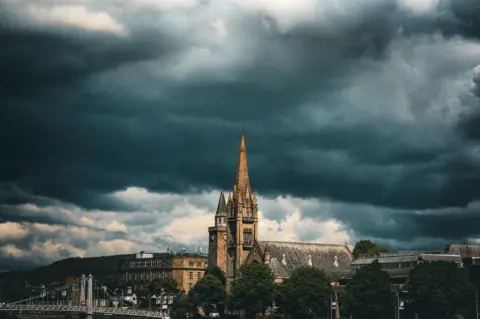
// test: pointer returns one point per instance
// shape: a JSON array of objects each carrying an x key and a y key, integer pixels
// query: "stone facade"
[{"x": 186, "y": 268}]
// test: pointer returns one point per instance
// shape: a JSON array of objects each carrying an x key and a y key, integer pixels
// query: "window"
[
  {"x": 199, "y": 274},
  {"x": 199, "y": 264},
  {"x": 190, "y": 285},
  {"x": 190, "y": 264},
  {"x": 191, "y": 275}
]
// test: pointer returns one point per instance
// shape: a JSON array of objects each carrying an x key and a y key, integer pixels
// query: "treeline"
[
  {"x": 437, "y": 290},
  {"x": 13, "y": 284}
]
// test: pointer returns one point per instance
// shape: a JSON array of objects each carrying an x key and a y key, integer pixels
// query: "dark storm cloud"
[
  {"x": 469, "y": 126},
  {"x": 21, "y": 214},
  {"x": 84, "y": 115},
  {"x": 61, "y": 240}
]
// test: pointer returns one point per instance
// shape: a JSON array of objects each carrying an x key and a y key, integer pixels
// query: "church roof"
[{"x": 287, "y": 256}]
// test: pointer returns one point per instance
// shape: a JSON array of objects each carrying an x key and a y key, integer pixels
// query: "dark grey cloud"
[{"x": 370, "y": 107}]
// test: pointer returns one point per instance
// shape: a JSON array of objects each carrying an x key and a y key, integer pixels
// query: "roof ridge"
[{"x": 300, "y": 242}]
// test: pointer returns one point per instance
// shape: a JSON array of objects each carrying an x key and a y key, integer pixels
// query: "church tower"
[{"x": 236, "y": 222}]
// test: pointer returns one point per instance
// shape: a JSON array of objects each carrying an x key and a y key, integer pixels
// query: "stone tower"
[
  {"x": 217, "y": 249},
  {"x": 236, "y": 222}
]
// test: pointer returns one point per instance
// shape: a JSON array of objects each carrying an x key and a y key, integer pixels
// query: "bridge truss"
[{"x": 83, "y": 295}]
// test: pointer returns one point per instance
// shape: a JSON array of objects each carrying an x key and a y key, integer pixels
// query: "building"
[
  {"x": 470, "y": 254},
  {"x": 236, "y": 222},
  {"x": 233, "y": 241},
  {"x": 399, "y": 265},
  {"x": 285, "y": 257},
  {"x": 186, "y": 268}
]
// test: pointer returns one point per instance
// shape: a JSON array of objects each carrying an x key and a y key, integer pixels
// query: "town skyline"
[{"x": 120, "y": 122}]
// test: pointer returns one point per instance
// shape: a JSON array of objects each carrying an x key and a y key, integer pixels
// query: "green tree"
[
  {"x": 208, "y": 293},
  {"x": 253, "y": 289},
  {"x": 305, "y": 294},
  {"x": 179, "y": 313},
  {"x": 217, "y": 272},
  {"x": 369, "y": 294},
  {"x": 439, "y": 289},
  {"x": 366, "y": 247},
  {"x": 169, "y": 286}
]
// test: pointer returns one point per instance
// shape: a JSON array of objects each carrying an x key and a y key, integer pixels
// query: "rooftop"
[{"x": 285, "y": 257}]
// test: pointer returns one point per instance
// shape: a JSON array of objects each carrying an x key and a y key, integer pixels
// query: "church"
[{"x": 233, "y": 241}]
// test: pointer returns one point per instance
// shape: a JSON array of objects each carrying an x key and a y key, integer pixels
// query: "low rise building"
[
  {"x": 186, "y": 268},
  {"x": 399, "y": 265},
  {"x": 470, "y": 254}
]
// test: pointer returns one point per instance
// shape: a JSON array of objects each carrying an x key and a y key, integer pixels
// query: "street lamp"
[{"x": 400, "y": 302}]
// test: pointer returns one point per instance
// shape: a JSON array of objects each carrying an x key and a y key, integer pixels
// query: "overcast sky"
[{"x": 120, "y": 122}]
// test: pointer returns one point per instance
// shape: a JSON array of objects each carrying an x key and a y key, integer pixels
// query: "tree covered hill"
[{"x": 103, "y": 268}]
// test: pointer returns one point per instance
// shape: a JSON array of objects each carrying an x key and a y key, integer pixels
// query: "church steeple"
[
  {"x": 242, "y": 183},
  {"x": 236, "y": 222}
]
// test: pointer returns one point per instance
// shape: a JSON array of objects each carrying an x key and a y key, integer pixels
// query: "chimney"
[{"x": 267, "y": 257}]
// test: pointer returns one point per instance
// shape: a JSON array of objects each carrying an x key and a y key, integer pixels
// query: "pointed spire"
[
  {"x": 254, "y": 198},
  {"x": 222, "y": 205},
  {"x": 242, "y": 182}
]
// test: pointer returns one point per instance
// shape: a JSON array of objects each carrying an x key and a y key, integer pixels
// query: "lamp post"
[
  {"x": 330, "y": 305},
  {"x": 476, "y": 302},
  {"x": 398, "y": 304}
]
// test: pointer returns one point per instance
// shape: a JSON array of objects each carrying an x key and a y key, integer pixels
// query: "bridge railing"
[
  {"x": 54, "y": 308},
  {"x": 98, "y": 310},
  {"x": 82, "y": 300}
]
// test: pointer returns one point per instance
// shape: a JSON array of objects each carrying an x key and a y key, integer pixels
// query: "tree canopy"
[
  {"x": 305, "y": 294},
  {"x": 217, "y": 272},
  {"x": 440, "y": 289},
  {"x": 253, "y": 289},
  {"x": 366, "y": 247},
  {"x": 169, "y": 285},
  {"x": 369, "y": 294},
  {"x": 208, "y": 293}
]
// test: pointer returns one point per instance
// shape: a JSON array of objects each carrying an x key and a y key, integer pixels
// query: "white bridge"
[{"x": 72, "y": 298}]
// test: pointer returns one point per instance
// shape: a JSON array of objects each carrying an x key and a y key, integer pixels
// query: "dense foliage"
[
  {"x": 253, "y": 290},
  {"x": 369, "y": 294},
  {"x": 368, "y": 248},
  {"x": 168, "y": 285},
  {"x": 208, "y": 293},
  {"x": 439, "y": 290},
  {"x": 305, "y": 294},
  {"x": 217, "y": 272},
  {"x": 179, "y": 313}
]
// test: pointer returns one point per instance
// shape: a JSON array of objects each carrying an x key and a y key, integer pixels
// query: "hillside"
[{"x": 13, "y": 284}]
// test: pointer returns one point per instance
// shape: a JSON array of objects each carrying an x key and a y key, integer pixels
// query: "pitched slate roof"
[
  {"x": 298, "y": 254},
  {"x": 465, "y": 251}
]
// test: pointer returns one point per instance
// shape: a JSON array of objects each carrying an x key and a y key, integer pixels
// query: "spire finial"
[{"x": 243, "y": 129}]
